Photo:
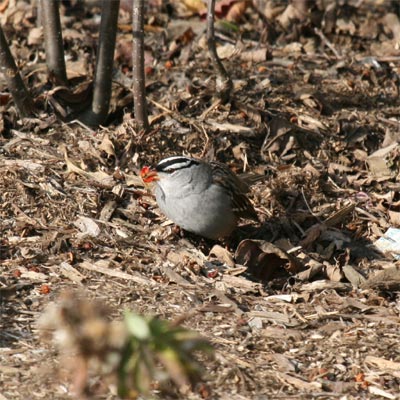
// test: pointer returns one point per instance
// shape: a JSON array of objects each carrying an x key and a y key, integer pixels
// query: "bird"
[{"x": 205, "y": 198}]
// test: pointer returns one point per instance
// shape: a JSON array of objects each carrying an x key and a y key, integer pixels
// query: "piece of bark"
[
  {"x": 319, "y": 286},
  {"x": 354, "y": 277},
  {"x": 115, "y": 273},
  {"x": 382, "y": 163},
  {"x": 388, "y": 279},
  {"x": 71, "y": 273}
]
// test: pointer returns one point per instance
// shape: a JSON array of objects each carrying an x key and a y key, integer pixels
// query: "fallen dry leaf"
[{"x": 264, "y": 260}]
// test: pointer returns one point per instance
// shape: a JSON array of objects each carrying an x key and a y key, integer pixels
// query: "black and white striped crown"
[{"x": 175, "y": 163}]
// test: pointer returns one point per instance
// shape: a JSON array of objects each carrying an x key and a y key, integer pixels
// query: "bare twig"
[
  {"x": 23, "y": 100},
  {"x": 53, "y": 40},
  {"x": 139, "y": 89},
  {"x": 327, "y": 42},
  {"x": 226, "y": 86}
]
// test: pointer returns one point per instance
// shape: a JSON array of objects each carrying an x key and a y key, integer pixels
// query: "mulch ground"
[{"x": 301, "y": 305}]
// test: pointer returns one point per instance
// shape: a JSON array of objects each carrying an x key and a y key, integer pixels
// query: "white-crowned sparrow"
[{"x": 205, "y": 198}]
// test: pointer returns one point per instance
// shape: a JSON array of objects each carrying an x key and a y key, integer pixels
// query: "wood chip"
[
  {"x": 115, "y": 273},
  {"x": 382, "y": 393},
  {"x": 276, "y": 317},
  {"x": 298, "y": 382},
  {"x": 388, "y": 279},
  {"x": 382, "y": 364},
  {"x": 240, "y": 284},
  {"x": 175, "y": 277},
  {"x": 71, "y": 273},
  {"x": 226, "y": 300},
  {"x": 324, "y": 285},
  {"x": 107, "y": 210},
  {"x": 354, "y": 277}
]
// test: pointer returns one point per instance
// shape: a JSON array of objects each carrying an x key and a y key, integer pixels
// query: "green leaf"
[
  {"x": 226, "y": 26},
  {"x": 137, "y": 326}
]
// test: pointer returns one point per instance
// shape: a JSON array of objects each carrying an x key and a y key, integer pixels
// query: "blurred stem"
[
  {"x": 53, "y": 40},
  {"x": 139, "y": 88},
  {"x": 226, "y": 88},
  {"x": 105, "y": 59},
  {"x": 22, "y": 99}
]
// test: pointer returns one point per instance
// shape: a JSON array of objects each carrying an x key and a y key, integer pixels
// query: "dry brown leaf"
[
  {"x": 388, "y": 279},
  {"x": 237, "y": 10},
  {"x": 264, "y": 260},
  {"x": 333, "y": 272},
  {"x": 309, "y": 100},
  {"x": 314, "y": 269},
  {"x": 35, "y": 36},
  {"x": 195, "y": 6},
  {"x": 312, "y": 234},
  {"x": 394, "y": 218},
  {"x": 284, "y": 363},
  {"x": 354, "y": 277},
  {"x": 255, "y": 56},
  {"x": 99, "y": 177},
  {"x": 310, "y": 123},
  {"x": 391, "y": 23},
  {"x": 4, "y": 5},
  {"x": 227, "y": 51},
  {"x": 289, "y": 15},
  {"x": 251, "y": 112},
  {"x": 384, "y": 163},
  {"x": 107, "y": 146},
  {"x": 278, "y": 128},
  {"x": 345, "y": 26},
  {"x": 240, "y": 153},
  {"x": 62, "y": 98},
  {"x": 223, "y": 255},
  {"x": 134, "y": 180}
]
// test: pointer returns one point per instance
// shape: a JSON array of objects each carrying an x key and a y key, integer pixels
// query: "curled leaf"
[{"x": 264, "y": 260}]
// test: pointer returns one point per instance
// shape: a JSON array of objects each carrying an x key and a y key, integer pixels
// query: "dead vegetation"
[{"x": 303, "y": 305}]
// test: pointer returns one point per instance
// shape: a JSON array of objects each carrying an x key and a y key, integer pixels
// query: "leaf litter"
[{"x": 303, "y": 304}]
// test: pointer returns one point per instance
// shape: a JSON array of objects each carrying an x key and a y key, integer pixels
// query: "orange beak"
[{"x": 148, "y": 175}]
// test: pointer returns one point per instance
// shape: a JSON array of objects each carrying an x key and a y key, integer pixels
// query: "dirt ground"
[{"x": 302, "y": 305}]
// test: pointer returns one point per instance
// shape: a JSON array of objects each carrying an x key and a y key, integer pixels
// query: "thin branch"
[
  {"x": 53, "y": 40},
  {"x": 139, "y": 88},
  {"x": 227, "y": 86},
  {"x": 22, "y": 99}
]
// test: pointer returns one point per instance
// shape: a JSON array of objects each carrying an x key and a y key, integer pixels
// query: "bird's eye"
[{"x": 171, "y": 170}]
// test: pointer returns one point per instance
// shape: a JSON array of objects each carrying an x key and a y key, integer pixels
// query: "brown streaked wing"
[{"x": 236, "y": 188}]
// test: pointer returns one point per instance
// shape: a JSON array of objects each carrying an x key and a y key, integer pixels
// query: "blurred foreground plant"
[
  {"x": 157, "y": 350},
  {"x": 137, "y": 353}
]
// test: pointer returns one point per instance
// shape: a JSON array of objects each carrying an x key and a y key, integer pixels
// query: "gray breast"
[{"x": 207, "y": 214}]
